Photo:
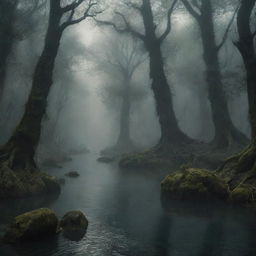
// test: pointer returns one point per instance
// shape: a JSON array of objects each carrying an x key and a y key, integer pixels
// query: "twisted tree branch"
[{"x": 169, "y": 24}]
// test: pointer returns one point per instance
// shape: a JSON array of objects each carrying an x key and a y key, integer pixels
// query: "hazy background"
[{"x": 77, "y": 116}]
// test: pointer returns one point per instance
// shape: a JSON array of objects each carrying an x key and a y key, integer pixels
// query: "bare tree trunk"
[
  {"x": 243, "y": 165},
  {"x": 170, "y": 131},
  {"x": 245, "y": 46},
  {"x": 7, "y": 13},
  {"x": 225, "y": 131},
  {"x": 124, "y": 138},
  {"x": 171, "y": 134},
  {"x": 20, "y": 149}
]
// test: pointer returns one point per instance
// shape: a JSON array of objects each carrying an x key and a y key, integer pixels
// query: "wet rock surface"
[
  {"x": 74, "y": 225},
  {"x": 31, "y": 226},
  {"x": 195, "y": 184}
]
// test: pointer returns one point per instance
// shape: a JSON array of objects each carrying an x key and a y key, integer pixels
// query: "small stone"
[{"x": 74, "y": 225}]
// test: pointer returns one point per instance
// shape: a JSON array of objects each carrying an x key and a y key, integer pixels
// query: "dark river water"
[{"x": 127, "y": 217}]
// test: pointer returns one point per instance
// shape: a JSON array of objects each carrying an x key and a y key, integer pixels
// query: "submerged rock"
[
  {"x": 195, "y": 184},
  {"x": 74, "y": 225},
  {"x": 24, "y": 183},
  {"x": 105, "y": 159},
  {"x": 32, "y": 225},
  {"x": 61, "y": 181},
  {"x": 72, "y": 174}
]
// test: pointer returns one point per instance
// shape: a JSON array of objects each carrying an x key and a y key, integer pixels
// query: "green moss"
[
  {"x": 25, "y": 183},
  {"x": 194, "y": 183},
  {"x": 74, "y": 220},
  {"x": 244, "y": 193},
  {"x": 74, "y": 225},
  {"x": 32, "y": 225}
]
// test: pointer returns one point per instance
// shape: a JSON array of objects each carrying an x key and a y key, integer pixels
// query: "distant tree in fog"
[
  {"x": 170, "y": 131},
  {"x": 53, "y": 137},
  {"x": 225, "y": 131},
  {"x": 16, "y": 22},
  {"x": 121, "y": 58},
  {"x": 19, "y": 151}
]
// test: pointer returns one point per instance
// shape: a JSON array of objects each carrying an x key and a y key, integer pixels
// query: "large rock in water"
[
  {"x": 74, "y": 225},
  {"x": 32, "y": 225},
  {"x": 25, "y": 183},
  {"x": 194, "y": 184}
]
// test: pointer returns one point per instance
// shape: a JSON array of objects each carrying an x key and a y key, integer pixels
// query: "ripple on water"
[{"x": 127, "y": 218}]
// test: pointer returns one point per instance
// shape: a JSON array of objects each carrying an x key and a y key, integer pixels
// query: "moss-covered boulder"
[
  {"x": 32, "y": 225},
  {"x": 194, "y": 184},
  {"x": 74, "y": 225},
  {"x": 244, "y": 194},
  {"x": 24, "y": 183}
]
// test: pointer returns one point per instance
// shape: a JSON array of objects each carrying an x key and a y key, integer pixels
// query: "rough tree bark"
[
  {"x": 123, "y": 57},
  {"x": 171, "y": 133},
  {"x": 19, "y": 151},
  {"x": 242, "y": 166},
  {"x": 7, "y": 14},
  {"x": 225, "y": 131}
]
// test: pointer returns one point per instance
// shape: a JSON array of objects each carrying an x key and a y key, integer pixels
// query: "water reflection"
[
  {"x": 11, "y": 208},
  {"x": 126, "y": 217},
  {"x": 46, "y": 247},
  {"x": 162, "y": 244},
  {"x": 213, "y": 237}
]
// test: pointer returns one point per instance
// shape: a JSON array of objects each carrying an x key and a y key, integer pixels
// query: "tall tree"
[
  {"x": 225, "y": 131},
  {"x": 7, "y": 14},
  {"x": 170, "y": 131},
  {"x": 242, "y": 166},
  {"x": 19, "y": 151},
  {"x": 121, "y": 59},
  {"x": 15, "y": 22}
]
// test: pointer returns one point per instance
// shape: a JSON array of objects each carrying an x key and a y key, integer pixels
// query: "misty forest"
[{"x": 128, "y": 127}]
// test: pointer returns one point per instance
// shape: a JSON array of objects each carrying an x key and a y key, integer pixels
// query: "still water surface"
[{"x": 127, "y": 217}]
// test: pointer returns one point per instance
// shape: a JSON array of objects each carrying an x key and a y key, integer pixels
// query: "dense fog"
[
  {"x": 139, "y": 115},
  {"x": 78, "y": 113}
]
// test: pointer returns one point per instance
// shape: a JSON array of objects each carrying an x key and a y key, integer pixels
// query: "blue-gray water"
[{"x": 127, "y": 217}]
